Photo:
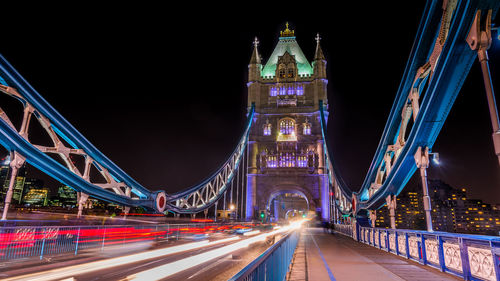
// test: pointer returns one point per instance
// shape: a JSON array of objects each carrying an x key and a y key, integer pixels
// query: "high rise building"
[
  {"x": 18, "y": 191},
  {"x": 451, "y": 211},
  {"x": 285, "y": 153}
]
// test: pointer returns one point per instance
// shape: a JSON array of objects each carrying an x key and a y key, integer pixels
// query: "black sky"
[{"x": 162, "y": 91}]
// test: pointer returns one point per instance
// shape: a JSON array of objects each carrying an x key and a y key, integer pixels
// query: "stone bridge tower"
[{"x": 286, "y": 144}]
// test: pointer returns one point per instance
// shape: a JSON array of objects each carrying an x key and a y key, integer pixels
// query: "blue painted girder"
[
  {"x": 66, "y": 130},
  {"x": 447, "y": 79}
]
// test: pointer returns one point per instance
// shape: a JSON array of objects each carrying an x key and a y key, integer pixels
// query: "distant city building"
[
  {"x": 66, "y": 197},
  {"x": 36, "y": 197},
  {"x": 452, "y": 211},
  {"x": 18, "y": 191}
]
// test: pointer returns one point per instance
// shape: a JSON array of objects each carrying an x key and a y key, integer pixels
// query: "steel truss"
[{"x": 118, "y": 187}]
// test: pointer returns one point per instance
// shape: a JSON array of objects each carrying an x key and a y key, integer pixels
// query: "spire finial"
[
  {"x": 256, "y": 42},
  {"x": 287, "y": 32},
  {"x": 318, "y": 38}
]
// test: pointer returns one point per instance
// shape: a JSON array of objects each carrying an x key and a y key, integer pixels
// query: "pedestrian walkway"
[
  {"x": 337, "y": 257},
  {"x": 298, "y": 270}
]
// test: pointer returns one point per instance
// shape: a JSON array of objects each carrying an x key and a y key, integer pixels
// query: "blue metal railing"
[
  {"x": 39, "y": 241},
  {"x": 472, "y": 257},
  {"x": 274, "y": 263}
]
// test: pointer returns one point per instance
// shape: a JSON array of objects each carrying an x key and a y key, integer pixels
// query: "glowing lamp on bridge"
[
  {"x": 231, "y": 207},
  {"x": 435, "y": 158}
]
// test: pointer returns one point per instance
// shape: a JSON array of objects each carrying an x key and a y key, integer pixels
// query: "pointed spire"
[
  {"x": 319, "y": 52},
  {"x": 255, "y": 59}
]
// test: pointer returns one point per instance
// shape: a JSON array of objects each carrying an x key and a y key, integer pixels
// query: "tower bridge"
[{"x": 283, "y": 157}]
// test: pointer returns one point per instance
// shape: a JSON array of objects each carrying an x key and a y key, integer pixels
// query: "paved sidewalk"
[
  {"x": 337, "y": 257},
  {"x": 298, "y": 270}
]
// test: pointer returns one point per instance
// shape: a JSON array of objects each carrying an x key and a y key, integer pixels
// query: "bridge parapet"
[{"x": 473, "y": 257}]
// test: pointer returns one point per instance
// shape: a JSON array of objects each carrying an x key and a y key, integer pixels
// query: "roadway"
[{"x": 217, "y": 258}]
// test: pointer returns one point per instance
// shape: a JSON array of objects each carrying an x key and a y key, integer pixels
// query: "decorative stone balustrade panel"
[
  {"x": 452, "y": 257},
  {"x": 402, "y": 244},
  {"x": 383, "y": 238},
  {"x": 480, "y": 260},
  {"x": 481, "y": 263},
  {"x": 392, "y": 242},
  {"x": 413, "y": 246},
  {"x": 431, "y": 251}
]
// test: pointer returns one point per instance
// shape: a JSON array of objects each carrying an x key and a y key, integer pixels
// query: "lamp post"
[{"x": 422, "y": 161}]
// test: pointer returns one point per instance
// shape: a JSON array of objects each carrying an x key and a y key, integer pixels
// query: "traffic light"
[{"x": 262, "y": 214}]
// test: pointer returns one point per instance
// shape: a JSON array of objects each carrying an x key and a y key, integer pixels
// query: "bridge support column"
[
  {"x": 82, "y": 198},
  {"x": 215, "y": 215},
  {"x": 126, "y": 210},
  {"x": 251, "y": 199},
  {"x": 479, "y": 38},
  {"x": 206, "y": 213},
  {"x": 16, "y": 162},
  {"x": 422, "y": 161},
  {"x": 391, "y": 204},
  {"x": 325, "y": 197}
]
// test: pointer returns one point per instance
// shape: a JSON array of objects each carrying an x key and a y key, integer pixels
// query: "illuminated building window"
[
  {"x": 302, "y": 161},
  {"x": 291, "y": 73},
  {"x": 271, "y": 161},
  {"x": 287, "y": 160},
  {"x": 287, "y": 126},
  {"x": 267, "y": 129},
  {"x": 290, "y": 91},
  {"x": 273, "y": 92},
  {"x": 287, "y": 130},
  {"x": 282, "y": 71},
  {"x": 282, "y": 91},
  {"x": 300, "y": 90},
  {"x": 307, "y": 128}
]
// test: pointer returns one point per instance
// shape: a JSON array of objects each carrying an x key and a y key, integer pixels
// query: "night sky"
[{"x": 162, "y": 91}]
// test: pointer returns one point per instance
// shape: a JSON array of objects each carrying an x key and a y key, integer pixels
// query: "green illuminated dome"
[{"x": 287, "y": 43}]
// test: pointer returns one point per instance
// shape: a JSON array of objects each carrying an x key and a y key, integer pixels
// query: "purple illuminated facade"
[{"x": 286, "y": 145}]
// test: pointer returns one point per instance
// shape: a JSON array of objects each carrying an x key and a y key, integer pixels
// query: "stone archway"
[{"x": 280, "y": 201}]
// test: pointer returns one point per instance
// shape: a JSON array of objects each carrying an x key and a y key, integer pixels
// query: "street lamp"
[
  {"x": 435, "y": 158},
  {"x": 231, "y": 207}
]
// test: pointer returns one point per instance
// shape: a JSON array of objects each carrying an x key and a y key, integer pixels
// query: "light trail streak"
[
  {"x": 65, "y": 272},
  {"x": 251, "y": 233},
  {"x": 172, "y": 268}
]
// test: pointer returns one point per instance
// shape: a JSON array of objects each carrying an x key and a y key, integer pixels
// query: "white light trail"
[
  {"x": 251, "y": 233},
  {"x": 172, "y": 268},
  {"x": 65, "y": 272}
]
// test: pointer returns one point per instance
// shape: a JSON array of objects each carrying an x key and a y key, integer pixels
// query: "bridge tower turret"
[{"x": 286, "y": 145}]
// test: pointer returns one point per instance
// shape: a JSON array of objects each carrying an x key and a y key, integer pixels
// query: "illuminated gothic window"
[
  {"x": 282, "y": 71},
  {"x": 287, "y": 126},
  {"x": 282, "y": 91},
  {"x": 290, "y": 91},
  {"x": 300, "y": 90},
  {"x": 287, "y": 160},
  {"x": 273, "y": 92},
  {"x": 271, "y": 161},
  {"x": 307, "y": 128},
  {"x": 302, "y": 161},
  {"x": 290, "y": 72},
  {"x": 267, "y": 129}
]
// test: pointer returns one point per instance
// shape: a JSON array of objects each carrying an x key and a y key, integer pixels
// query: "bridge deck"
[{"x": 336, "y": 257}]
